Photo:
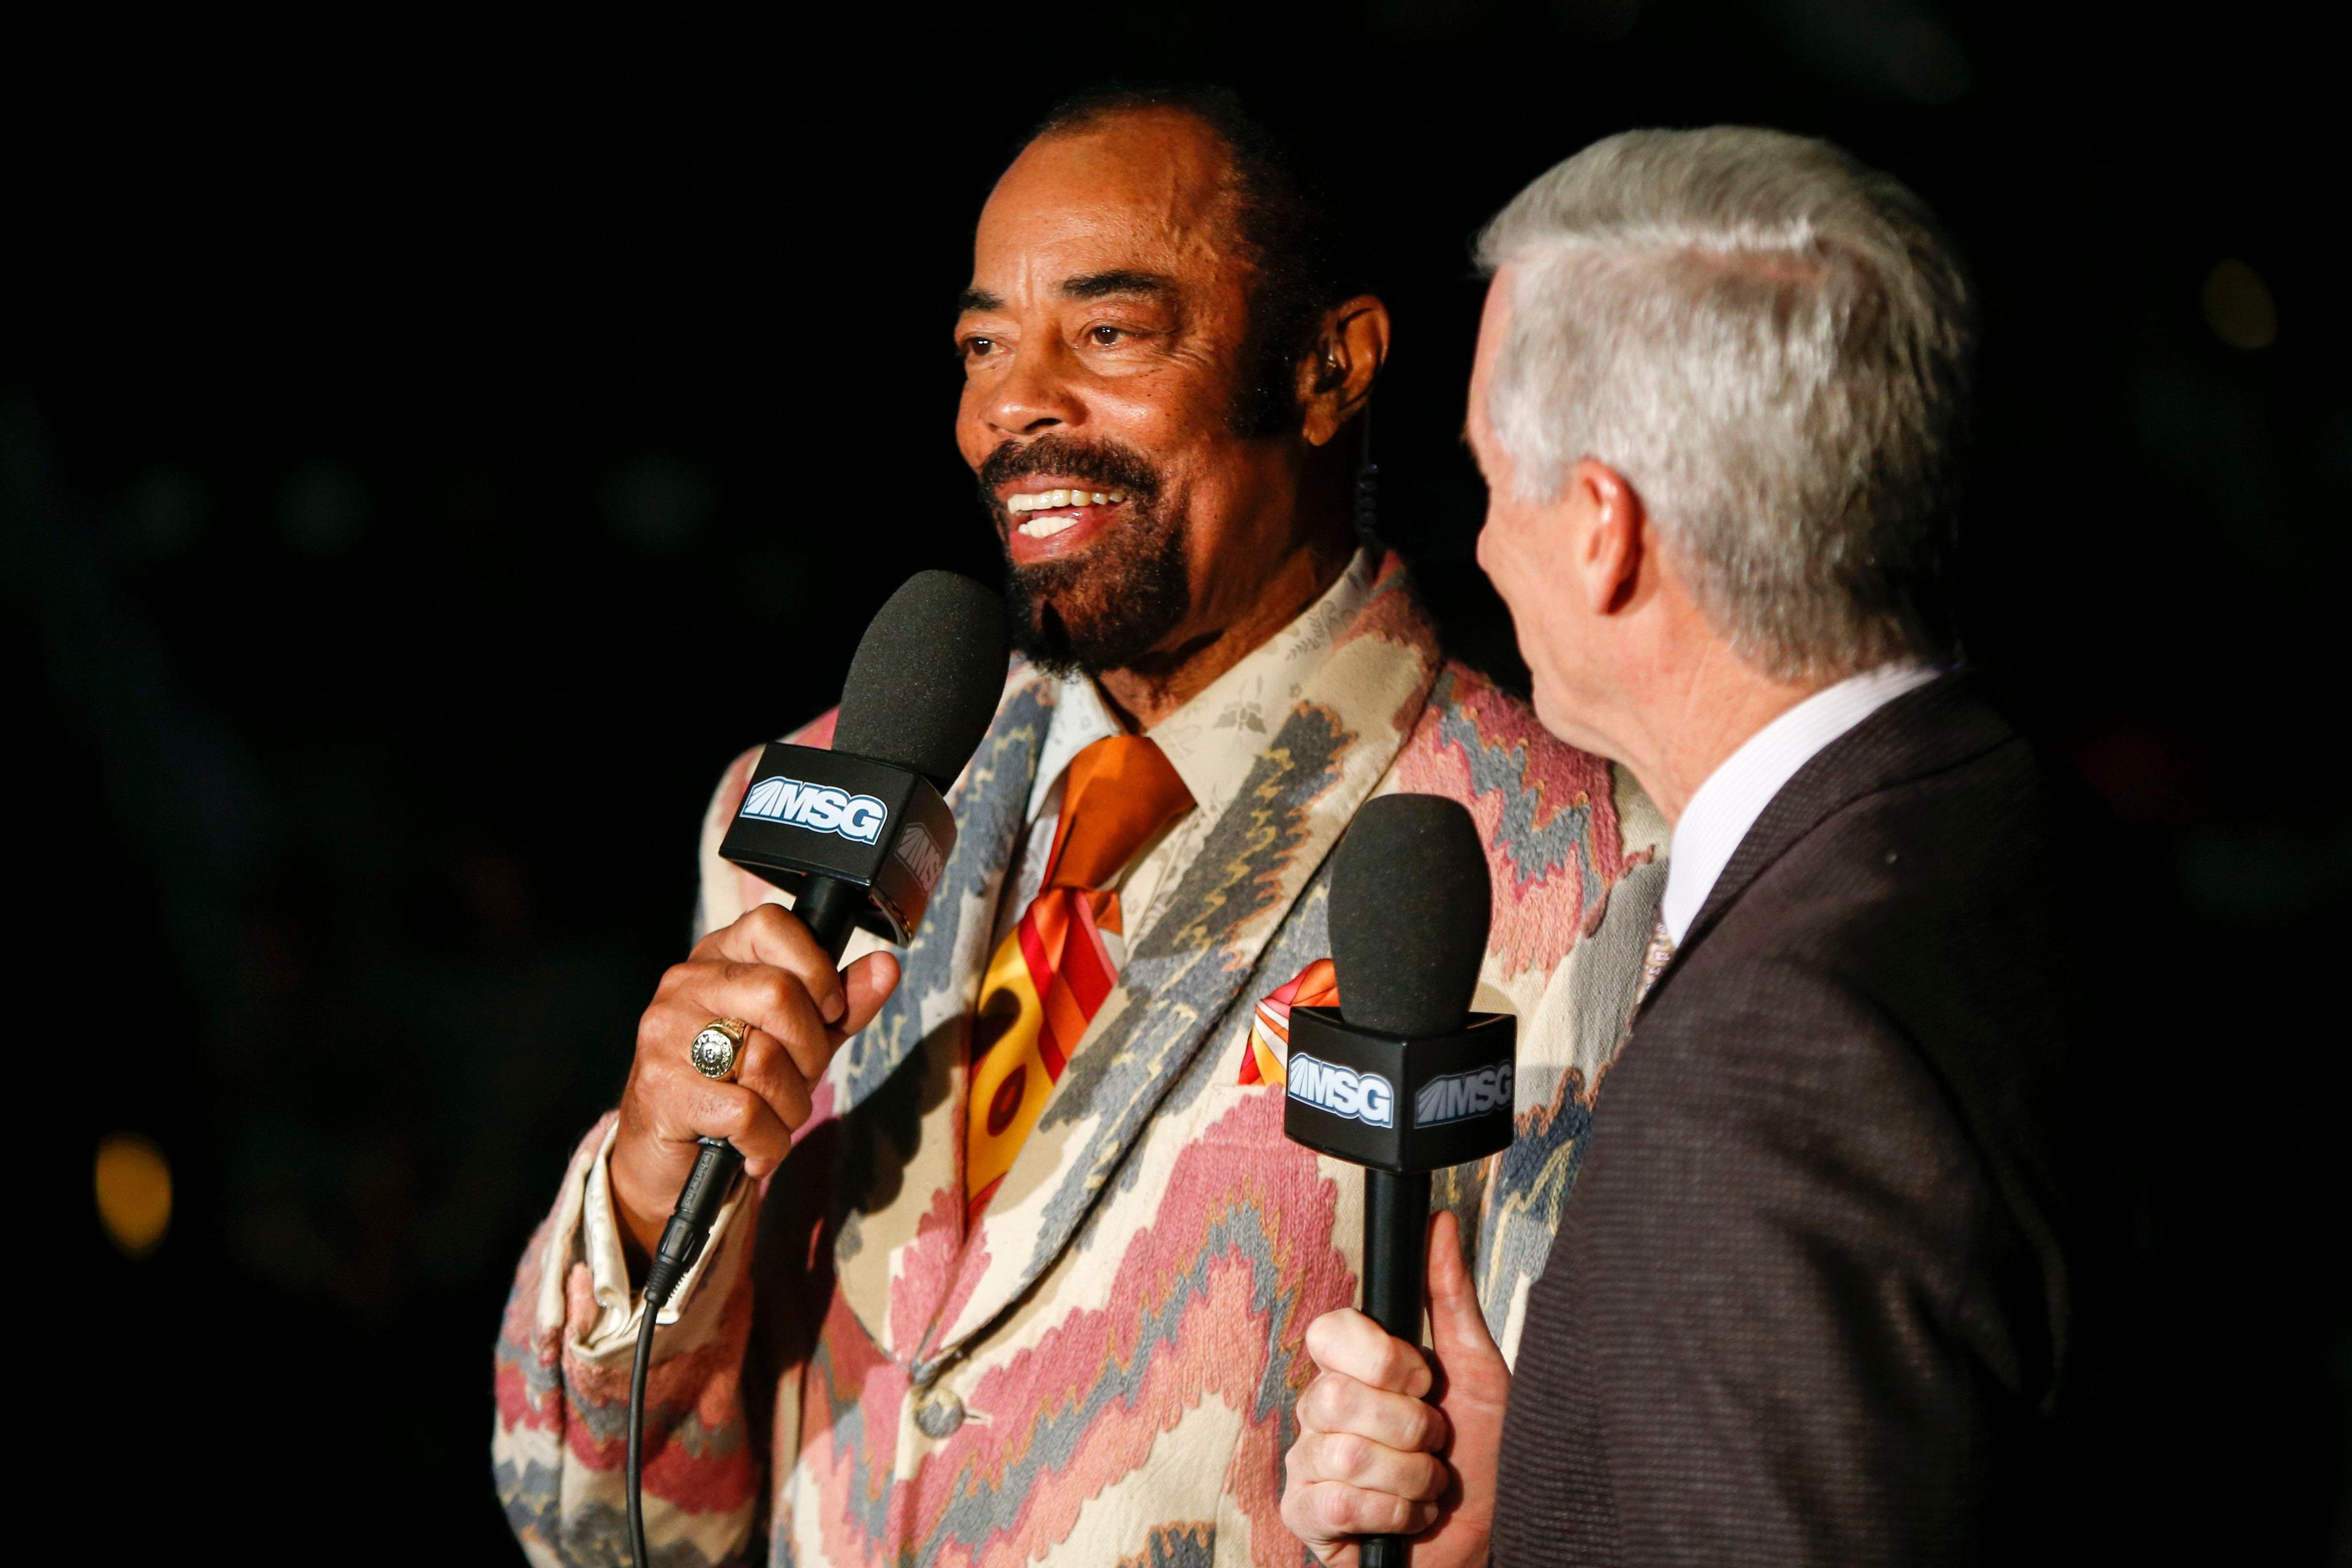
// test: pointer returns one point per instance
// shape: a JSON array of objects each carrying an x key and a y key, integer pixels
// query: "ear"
[
  {"x": 1350, "y": 346},
  {"x": 1614, "y": 548}
]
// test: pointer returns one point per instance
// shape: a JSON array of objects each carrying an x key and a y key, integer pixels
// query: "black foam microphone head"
[
  {"x": 926, "y": 678},
  {"x": 1410, "y": 907}
]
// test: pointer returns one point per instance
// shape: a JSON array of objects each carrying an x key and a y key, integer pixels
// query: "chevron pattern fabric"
[{"x": 1099, "y": 1367}]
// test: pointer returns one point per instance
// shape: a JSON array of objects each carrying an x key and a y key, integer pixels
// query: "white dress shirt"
[{"x": 1726, "y": 806}]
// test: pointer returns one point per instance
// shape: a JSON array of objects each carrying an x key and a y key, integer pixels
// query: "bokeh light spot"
[
  {"x": 659, "y": 503},
  {"x": 2238, "y": 306},
  {"x": 323, "y": 508},
  {"x": 134, "y": 1193},
  {"x": 164, "y": 513}
]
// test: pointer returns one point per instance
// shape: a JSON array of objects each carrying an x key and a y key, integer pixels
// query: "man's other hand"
[
  {"x": 1371, "y": 1457},
  {"x": 767, "y": 970}
]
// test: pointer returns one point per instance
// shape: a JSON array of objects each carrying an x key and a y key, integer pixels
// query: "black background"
[{"x": 432, "y": 444}]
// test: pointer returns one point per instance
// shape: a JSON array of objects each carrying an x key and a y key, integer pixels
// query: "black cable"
[
  {"x": 716, "y": 1166},
  {"x": 643, "y": 1364}
]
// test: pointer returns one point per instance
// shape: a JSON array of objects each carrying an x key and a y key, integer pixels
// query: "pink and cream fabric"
[{"x": 1101, "y": 1364}]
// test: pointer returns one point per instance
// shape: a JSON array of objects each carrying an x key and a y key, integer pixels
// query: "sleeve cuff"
[{"x": 620, "y": 1308}]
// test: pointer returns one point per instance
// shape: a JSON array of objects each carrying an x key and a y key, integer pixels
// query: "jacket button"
[{"x": 940, "y": 1414}]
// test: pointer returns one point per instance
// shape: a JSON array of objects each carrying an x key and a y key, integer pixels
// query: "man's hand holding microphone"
[
  {"x": 1395, "y": 1460},
  {"x": 1389, "y": 1443},
  {"x": 768, "y": 971},
  {"x": 730, "y": 1052}
]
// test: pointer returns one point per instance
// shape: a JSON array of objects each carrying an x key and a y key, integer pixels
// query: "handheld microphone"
[
  {"x": 859, "y": 835},
  {"x": 1401, "y": 1077}
]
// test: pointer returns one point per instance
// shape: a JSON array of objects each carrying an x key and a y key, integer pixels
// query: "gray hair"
[{"x": 1770, "y": 342}]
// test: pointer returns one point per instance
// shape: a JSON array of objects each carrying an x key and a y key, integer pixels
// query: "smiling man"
[{"x": 1023, "y": 1263}]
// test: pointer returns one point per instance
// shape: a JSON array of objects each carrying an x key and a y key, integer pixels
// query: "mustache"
[{"x": 1103, "y": 464}]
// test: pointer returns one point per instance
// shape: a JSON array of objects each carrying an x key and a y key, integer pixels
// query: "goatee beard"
[{"x": 1110, "y": 607}]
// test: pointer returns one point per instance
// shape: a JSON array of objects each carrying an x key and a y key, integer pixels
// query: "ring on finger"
[{"x": 717, "y": 1050}]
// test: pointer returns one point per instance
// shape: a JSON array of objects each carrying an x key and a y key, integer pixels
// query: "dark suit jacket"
[{"x": 1835, "y": 1281}]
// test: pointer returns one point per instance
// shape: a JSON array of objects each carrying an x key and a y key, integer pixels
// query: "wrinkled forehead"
[{"x": 1145, "y": 191}]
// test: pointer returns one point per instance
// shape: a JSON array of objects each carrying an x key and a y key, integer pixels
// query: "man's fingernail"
[{"x": 835, "y": 1006}]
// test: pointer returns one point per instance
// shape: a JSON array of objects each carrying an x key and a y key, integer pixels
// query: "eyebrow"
[
  {"x": 1086, "y": 285},
  {"x": 1102, "y": 284}
]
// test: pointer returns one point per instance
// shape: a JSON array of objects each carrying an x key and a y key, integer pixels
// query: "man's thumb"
[{"x": 1455, "y": 1323}]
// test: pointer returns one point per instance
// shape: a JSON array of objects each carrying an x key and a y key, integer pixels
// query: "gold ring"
[{"x": 718, "y": 1050}]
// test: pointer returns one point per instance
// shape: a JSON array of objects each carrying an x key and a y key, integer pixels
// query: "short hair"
[
  {"x": 1771, "y": 343},
  {"x": 1299, "y": 245}
]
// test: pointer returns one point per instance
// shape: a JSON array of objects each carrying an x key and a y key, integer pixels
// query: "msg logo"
[
  {"x": 920, "y": 853},
  {"x": 819, "y": 807},
  {"x": 1365, "y": 1097},
  {"x": 1462, "y": 1096}
]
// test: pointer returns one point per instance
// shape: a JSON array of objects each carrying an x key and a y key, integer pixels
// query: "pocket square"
[{"x": 1317, "y": 985}]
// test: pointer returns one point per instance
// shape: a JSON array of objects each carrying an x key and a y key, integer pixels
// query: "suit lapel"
[
  {"x": 1938, "y": 725},
  {"x": 900, "y": 1176},
  {"x": 1324, "y": 756}
]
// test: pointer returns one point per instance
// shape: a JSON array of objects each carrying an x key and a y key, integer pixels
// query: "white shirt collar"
[
  {"x": 1213, "y": 738},
  {"x": 1724, "y": 808}
]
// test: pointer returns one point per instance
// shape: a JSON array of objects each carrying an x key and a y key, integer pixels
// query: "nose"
[{"x": 1033, "y": 394}]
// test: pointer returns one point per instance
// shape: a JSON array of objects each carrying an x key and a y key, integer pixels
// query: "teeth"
[
  {"x": 1047, "y": 527},
  {"x": 1049, "y": 501}
]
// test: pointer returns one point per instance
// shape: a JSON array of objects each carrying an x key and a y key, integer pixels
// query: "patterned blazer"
[{"x": 1104, "y": 1370}]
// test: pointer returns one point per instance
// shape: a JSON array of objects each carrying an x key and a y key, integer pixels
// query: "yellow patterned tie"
[{"x": 1051, "y": 975}]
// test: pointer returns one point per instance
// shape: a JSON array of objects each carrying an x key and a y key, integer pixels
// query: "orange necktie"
[{"x": 1051, "y": 972}]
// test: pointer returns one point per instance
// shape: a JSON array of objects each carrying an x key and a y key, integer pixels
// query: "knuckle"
[
  {"x": 776, "y": 992},
  {"x": 651, "y": 1084},
  {"x": 781, "y": 995},
  {"x": 1424, "y": 1428},
  {"x": 1400, "y": 1364},
  {"x": 1346, "y": 1456},
  {"x": 1334, "y": 1509},
  {"x": 1319, "y": 1406},
  {"x": 729, "y": 1112},
  {"x": 782, "y": 929},
  {"x": 1325, "y": 1334}
]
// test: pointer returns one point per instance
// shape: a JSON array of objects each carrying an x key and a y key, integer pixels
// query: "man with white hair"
[{"x": 1834, "y": 1282}]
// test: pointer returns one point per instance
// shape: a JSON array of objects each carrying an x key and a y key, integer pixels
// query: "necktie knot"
[{"x": 1120, "y": 792}]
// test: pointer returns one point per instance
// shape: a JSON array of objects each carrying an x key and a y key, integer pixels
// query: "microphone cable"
[
  {"x": 636, "y": 1471},
  {"x": 715, "y": 1170}
]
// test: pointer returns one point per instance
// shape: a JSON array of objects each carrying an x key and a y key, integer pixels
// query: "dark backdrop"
[{"x": 430, "y": 446}]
